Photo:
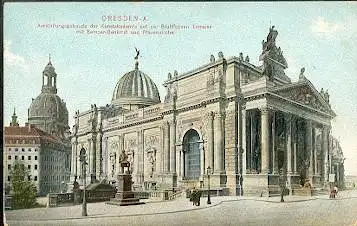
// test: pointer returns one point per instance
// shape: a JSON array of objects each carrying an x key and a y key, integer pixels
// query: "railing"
[
  {"x": 142, "y": 194},
  {"x": 56, "y": 199},
  {"x": 176, "y": 194}
]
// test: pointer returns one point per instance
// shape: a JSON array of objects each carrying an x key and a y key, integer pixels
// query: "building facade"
[
  {"x": 248, "y": 123},
  {"x": 44, "y": 156},
  {"x": 43, "y": 144}
]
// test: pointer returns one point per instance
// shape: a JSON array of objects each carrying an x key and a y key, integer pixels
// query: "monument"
[{"x": 124, "y": 196}]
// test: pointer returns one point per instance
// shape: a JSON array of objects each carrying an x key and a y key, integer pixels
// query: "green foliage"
[{"x": 23, "y": 191}]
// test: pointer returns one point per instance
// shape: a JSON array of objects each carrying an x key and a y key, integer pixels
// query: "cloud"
[
  {"x": 345, "y": 29},
  {"x": 11, "y": 59},
  {"x": 321, "y": 26}
]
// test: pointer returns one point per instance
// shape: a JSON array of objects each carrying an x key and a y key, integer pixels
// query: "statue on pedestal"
[{"x": 123, "y": 160}]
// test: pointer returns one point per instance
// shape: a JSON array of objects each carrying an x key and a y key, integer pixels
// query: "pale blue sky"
[{"x": 320, "y": 36}]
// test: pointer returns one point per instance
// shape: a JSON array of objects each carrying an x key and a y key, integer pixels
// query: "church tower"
[
  {"x": 48, "y": 111},
  {"x": 14, "y": 121}
]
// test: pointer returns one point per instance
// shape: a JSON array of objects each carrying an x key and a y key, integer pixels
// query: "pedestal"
[
  {"x": 256, "y": 185},
  {"x": 124, "y": 196},
  {"x": 169, "y": 180}
]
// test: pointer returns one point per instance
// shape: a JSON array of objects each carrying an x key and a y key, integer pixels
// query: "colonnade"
[{"x": 295, "y": 138}]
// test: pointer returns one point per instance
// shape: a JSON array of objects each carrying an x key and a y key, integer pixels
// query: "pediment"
[{"x": 304, "y": 93}]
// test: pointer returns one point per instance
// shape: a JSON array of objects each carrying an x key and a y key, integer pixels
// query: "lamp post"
[
  {"x": 82, "y": 159},
  {"x": 209, "y": 185}
]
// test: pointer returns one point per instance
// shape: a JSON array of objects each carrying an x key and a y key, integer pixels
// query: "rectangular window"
[
  {"x": 35, "y": 179},
  {"x": 28, "y": 157},
  {"x": 23, "y": 157},
  {"x": 9, "y": 167},
  {"x": 8, "y": 178},
  {"x": 16, "y": 157},
  {"x": 36, "y": 157},
  {"x": 35, "y": 167},
  {"x": 28, "y": 177},
  {"x": 29, "y": 167},
  {"x": 9, "y": 157}
]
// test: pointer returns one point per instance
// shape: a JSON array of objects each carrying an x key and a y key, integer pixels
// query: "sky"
[{"x": 320, "y": 36}]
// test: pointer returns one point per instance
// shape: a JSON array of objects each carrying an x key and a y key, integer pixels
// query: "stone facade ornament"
[
  {"x": 241, "y": 56},
  {"x": 210, "y": 79},
  {"x": 274, "y": 63},
  {"x": 212, "y": 59},
  {"x": 304, "y": 95},
  {"x": 112, "y": 159},
  {"x": 247, "y": 59},
  {"x": 220, "y": 55},
  {"x": 302, "y": 76},
  {"x": 151, "y": 155}
]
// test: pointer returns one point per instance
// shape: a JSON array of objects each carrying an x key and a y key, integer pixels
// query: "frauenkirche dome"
[{"x": 48, "y": 111}]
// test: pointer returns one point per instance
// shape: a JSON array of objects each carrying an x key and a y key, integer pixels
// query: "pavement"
[{"x": 102, "y": 210}]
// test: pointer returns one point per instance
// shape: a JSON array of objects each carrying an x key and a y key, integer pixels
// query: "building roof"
[{"x": 28, "y": 131}]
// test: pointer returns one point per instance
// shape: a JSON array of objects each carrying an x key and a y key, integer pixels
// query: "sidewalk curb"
[{"x": 159, "y": 213}]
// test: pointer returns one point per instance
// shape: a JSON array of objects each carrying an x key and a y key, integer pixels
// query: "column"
[
  {"x": 182, "y": 163},
  {"x": 89, "y": 158},
  {"x": 166, "y": 130},
  {"x": 274, "y": 149},
  {"x": 138, "y": 160},
  {"x": 244, "y": 142},
  {"x": 105, "y": 158},
  {"x": 202, "y": 158},
  {"x": 74, "y": 156},
  {"x": 288, "y": 133},
  {"x": 294, "y": 120},
  {"x": 308, "y": 138},
  {"x": 98, "y": 153},
  {"x": 315, "y": 153},
  {"x": 210, "y": 139},
  {"x": 265, "y": 140},
  {"x": 93, "y": 151},
  {"x": 324, "y": 153},
  {"x": 252, "y": 140},
  {"x": 178, "y": 160},
  {"x": 218, "y": 143},
  {"x": 239, "y": 136},
  {"x": 173, "y": 146}
]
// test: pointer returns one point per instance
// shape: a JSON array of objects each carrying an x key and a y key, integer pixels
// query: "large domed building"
[
  {"x": 248, "y": 124},
  {"x": 48, "y": 111}
]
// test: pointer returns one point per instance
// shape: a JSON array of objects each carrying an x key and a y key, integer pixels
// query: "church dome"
[
  {"x": 135, "y": 88},
  {"x": 48, "y": 105},
  {"x": 48, "y": 111}
]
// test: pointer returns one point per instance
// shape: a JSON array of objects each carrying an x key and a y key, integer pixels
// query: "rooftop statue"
[{"x": 137, "y": 54}]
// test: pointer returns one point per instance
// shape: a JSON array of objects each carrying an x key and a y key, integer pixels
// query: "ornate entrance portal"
[{"x": 191, "y": 148}]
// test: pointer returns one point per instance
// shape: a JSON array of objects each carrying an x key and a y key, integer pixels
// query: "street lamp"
[
  {"x": 82, "y": 159},
  {"x": 209, "y": 184}
]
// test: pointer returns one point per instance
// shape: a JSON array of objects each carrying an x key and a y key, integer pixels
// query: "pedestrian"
[
  {"x": 335, "y": 191},
  {"x": 198, "y": 197},
  {"x": 192, "y": 195}
]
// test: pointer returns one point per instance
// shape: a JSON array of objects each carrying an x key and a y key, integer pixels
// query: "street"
[{"x": 318, "y": 211}]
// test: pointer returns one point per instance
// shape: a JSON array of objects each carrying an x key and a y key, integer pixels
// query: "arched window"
[{"x": 191, "y": 147}]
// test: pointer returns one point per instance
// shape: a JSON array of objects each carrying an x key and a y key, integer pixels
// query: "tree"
[{"x": 23, "y": 191}]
